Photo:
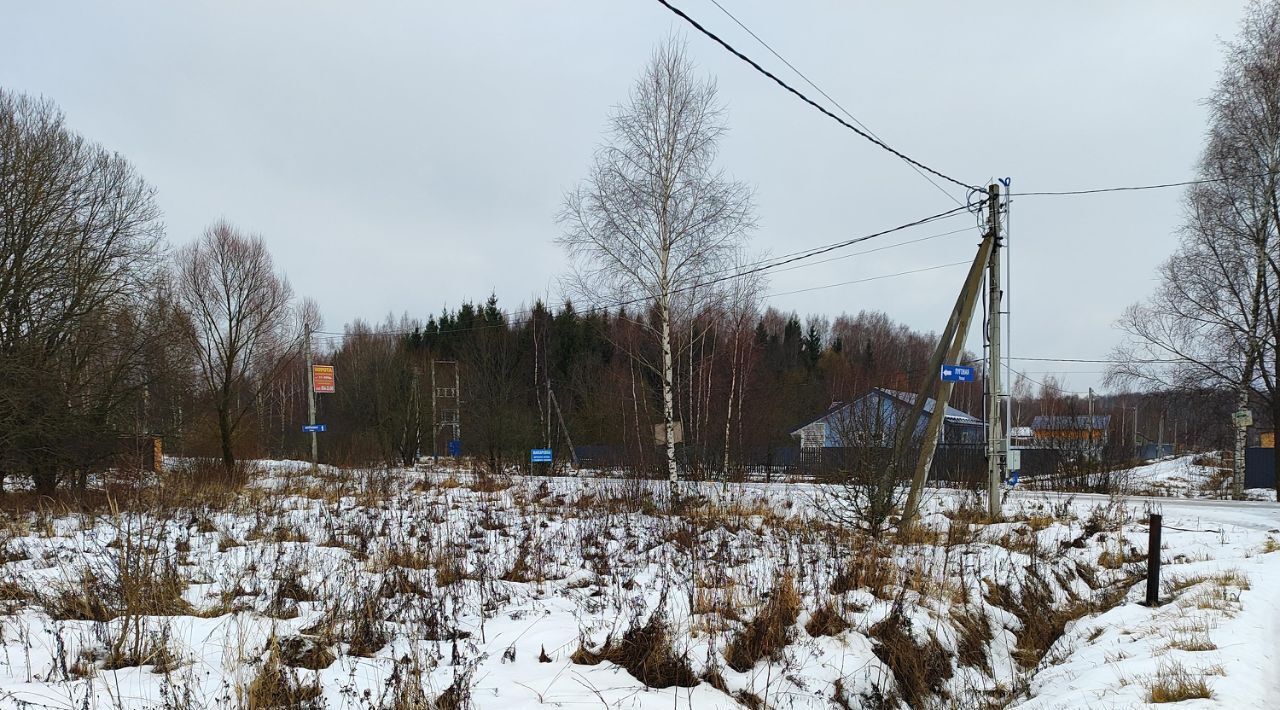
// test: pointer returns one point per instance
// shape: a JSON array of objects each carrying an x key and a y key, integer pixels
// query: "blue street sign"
[
  {"x": 957, "y": 373},
  {"x": 540, "y": 455},
  {"x": 454, "y": 447},
  {"x": 313, "y": 427}
]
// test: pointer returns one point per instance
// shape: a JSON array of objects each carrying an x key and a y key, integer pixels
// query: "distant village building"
[
  {"x": 140, "y": 452},
  {"x": 1022, "y": 436},
  {"x": 1080, "y": 432},
  {"x": 872, "y": 420}
]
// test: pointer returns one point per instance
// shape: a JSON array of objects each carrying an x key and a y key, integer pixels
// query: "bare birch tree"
[
  {"x": 742, "y": 311},
  {"x": 1213, "y": 317},
  {"x": 80, "y": 247},
  {"x": 655, "y": 217},
  {"x": 242, "y": 318}
]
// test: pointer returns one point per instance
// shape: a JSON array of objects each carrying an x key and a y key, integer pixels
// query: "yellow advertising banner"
[{"x": 322, "y": 379}]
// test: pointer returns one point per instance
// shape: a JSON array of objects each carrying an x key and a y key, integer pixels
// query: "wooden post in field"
[{"x": 1153, "y": 559}]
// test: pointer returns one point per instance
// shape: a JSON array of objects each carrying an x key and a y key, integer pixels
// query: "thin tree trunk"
[
  {"x": 224, "y": 431},
  {"x": 728, "y": 417},
  {"x": 668, "y": 396},
  {"x": 635, "y": 404},
  {"x": 1237, "y": 487}
]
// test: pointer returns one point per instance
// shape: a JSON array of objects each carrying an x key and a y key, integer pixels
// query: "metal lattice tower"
[{"x": 446, "y": 404}]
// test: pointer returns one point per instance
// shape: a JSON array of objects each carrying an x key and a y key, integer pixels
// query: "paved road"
[
  {"x": 1162, "y": 500},
  {"x": 1250, "y": 514}
]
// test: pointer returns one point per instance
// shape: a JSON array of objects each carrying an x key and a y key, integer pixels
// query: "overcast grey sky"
[{"x": 405, "y": 156}]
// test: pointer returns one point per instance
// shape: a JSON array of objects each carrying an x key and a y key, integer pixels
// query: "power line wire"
[
  {"x": 1102, "y": 361},
  {"x": 871, "y": 278},
  {"x": 825, "y": 95},
  {"x": 872, "y": 251},
  {"x": 332, "y": 336},
  {"x": 761, "y": 266},
  {"x": 775, "y": 261},
  {"x": 1134, "y": 188},
  {"x": 827, "y": 112}
]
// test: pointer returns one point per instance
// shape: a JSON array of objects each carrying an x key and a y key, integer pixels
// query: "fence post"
[{"x": 1153, "y": 559}]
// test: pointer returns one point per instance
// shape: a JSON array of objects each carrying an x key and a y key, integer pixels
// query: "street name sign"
[{"x": 957, "y": 373}]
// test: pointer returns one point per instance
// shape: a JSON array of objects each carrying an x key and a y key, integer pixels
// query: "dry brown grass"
[
  {"x": 867, "y": 569},
  {"x": 303, "y": 652},
  {"x": 1117, "y": 557},
  {"x": 826, "y": 620},
  {"x": 449, "y": 571},
  {"x": 920, "y": 670},
  {"x": 720, "y": 601},
  {"x": 973, "y": 635},
  {"x": 1042, "y": 623},
  {"x": 135, "y": 581},
  {"x": 917, "y": 534},
  {"x": 768, "y": 634},
  {"x": 1173, "y": 683},
  {"x": 1191, "y": 641},
  {"x": 403, "y": 555},
  {"x": 277, "y": 686},
  {"x": 647, "y": 654}
]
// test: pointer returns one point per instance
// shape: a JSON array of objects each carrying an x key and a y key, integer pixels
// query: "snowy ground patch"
[{"x": 403, "y": 589}]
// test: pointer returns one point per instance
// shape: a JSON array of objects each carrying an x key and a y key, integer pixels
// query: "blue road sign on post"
[
  {"x": 454, "y": 447},
  {"x": 313, "y": 427},
  {"x": 540, "y": 455},
  {"x": 957, "y": 373}
]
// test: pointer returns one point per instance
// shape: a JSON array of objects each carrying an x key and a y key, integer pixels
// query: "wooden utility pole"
[
  {"x": 311, "y": 398},
  {"x": 1090, "y": 423},
  {"x": 997, "y": 445},
  {"x": 573, "y": 454},
  {"x": 949, "y": 348}
]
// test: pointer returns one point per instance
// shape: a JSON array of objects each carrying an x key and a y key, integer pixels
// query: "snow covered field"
[{"x": 404, "y": 589}]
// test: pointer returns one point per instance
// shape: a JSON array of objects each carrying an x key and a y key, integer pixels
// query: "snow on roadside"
[
  {"x": 1190, "y": 476},
  {"x": 1217, "y": 628}
]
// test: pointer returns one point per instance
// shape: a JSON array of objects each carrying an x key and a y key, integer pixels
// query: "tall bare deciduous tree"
[
  {"x": 655, "y": 217},
  {"x": 243, "y": 322},
  {"x": 80, "y": 242},
  {"x": 1213, "y": 317},
  {"x": 741, "y": 312}
]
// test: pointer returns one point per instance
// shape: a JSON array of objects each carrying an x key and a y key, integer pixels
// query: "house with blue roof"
[{"x": 874, "y": 419}]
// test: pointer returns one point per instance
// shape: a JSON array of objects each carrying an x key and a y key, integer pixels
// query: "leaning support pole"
[{"x": 950, "y": 345}]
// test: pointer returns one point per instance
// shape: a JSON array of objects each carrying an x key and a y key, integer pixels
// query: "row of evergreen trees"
[{"x": 551, "y": 376}]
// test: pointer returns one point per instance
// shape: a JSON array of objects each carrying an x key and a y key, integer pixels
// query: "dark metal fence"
[{"x": 1259, "y": 468}]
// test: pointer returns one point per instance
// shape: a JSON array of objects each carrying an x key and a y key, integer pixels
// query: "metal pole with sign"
[
  {"x": 311, "y": 401},
  {"x": 540, "y": 456}
]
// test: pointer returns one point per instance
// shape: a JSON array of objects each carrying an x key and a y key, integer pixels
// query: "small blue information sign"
[
  {"x": 313, "y": 427},
  {"x": 454, "y": 447},
  {"x": 540, "y": 455},
  {"x": 957, "y": 373}
]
